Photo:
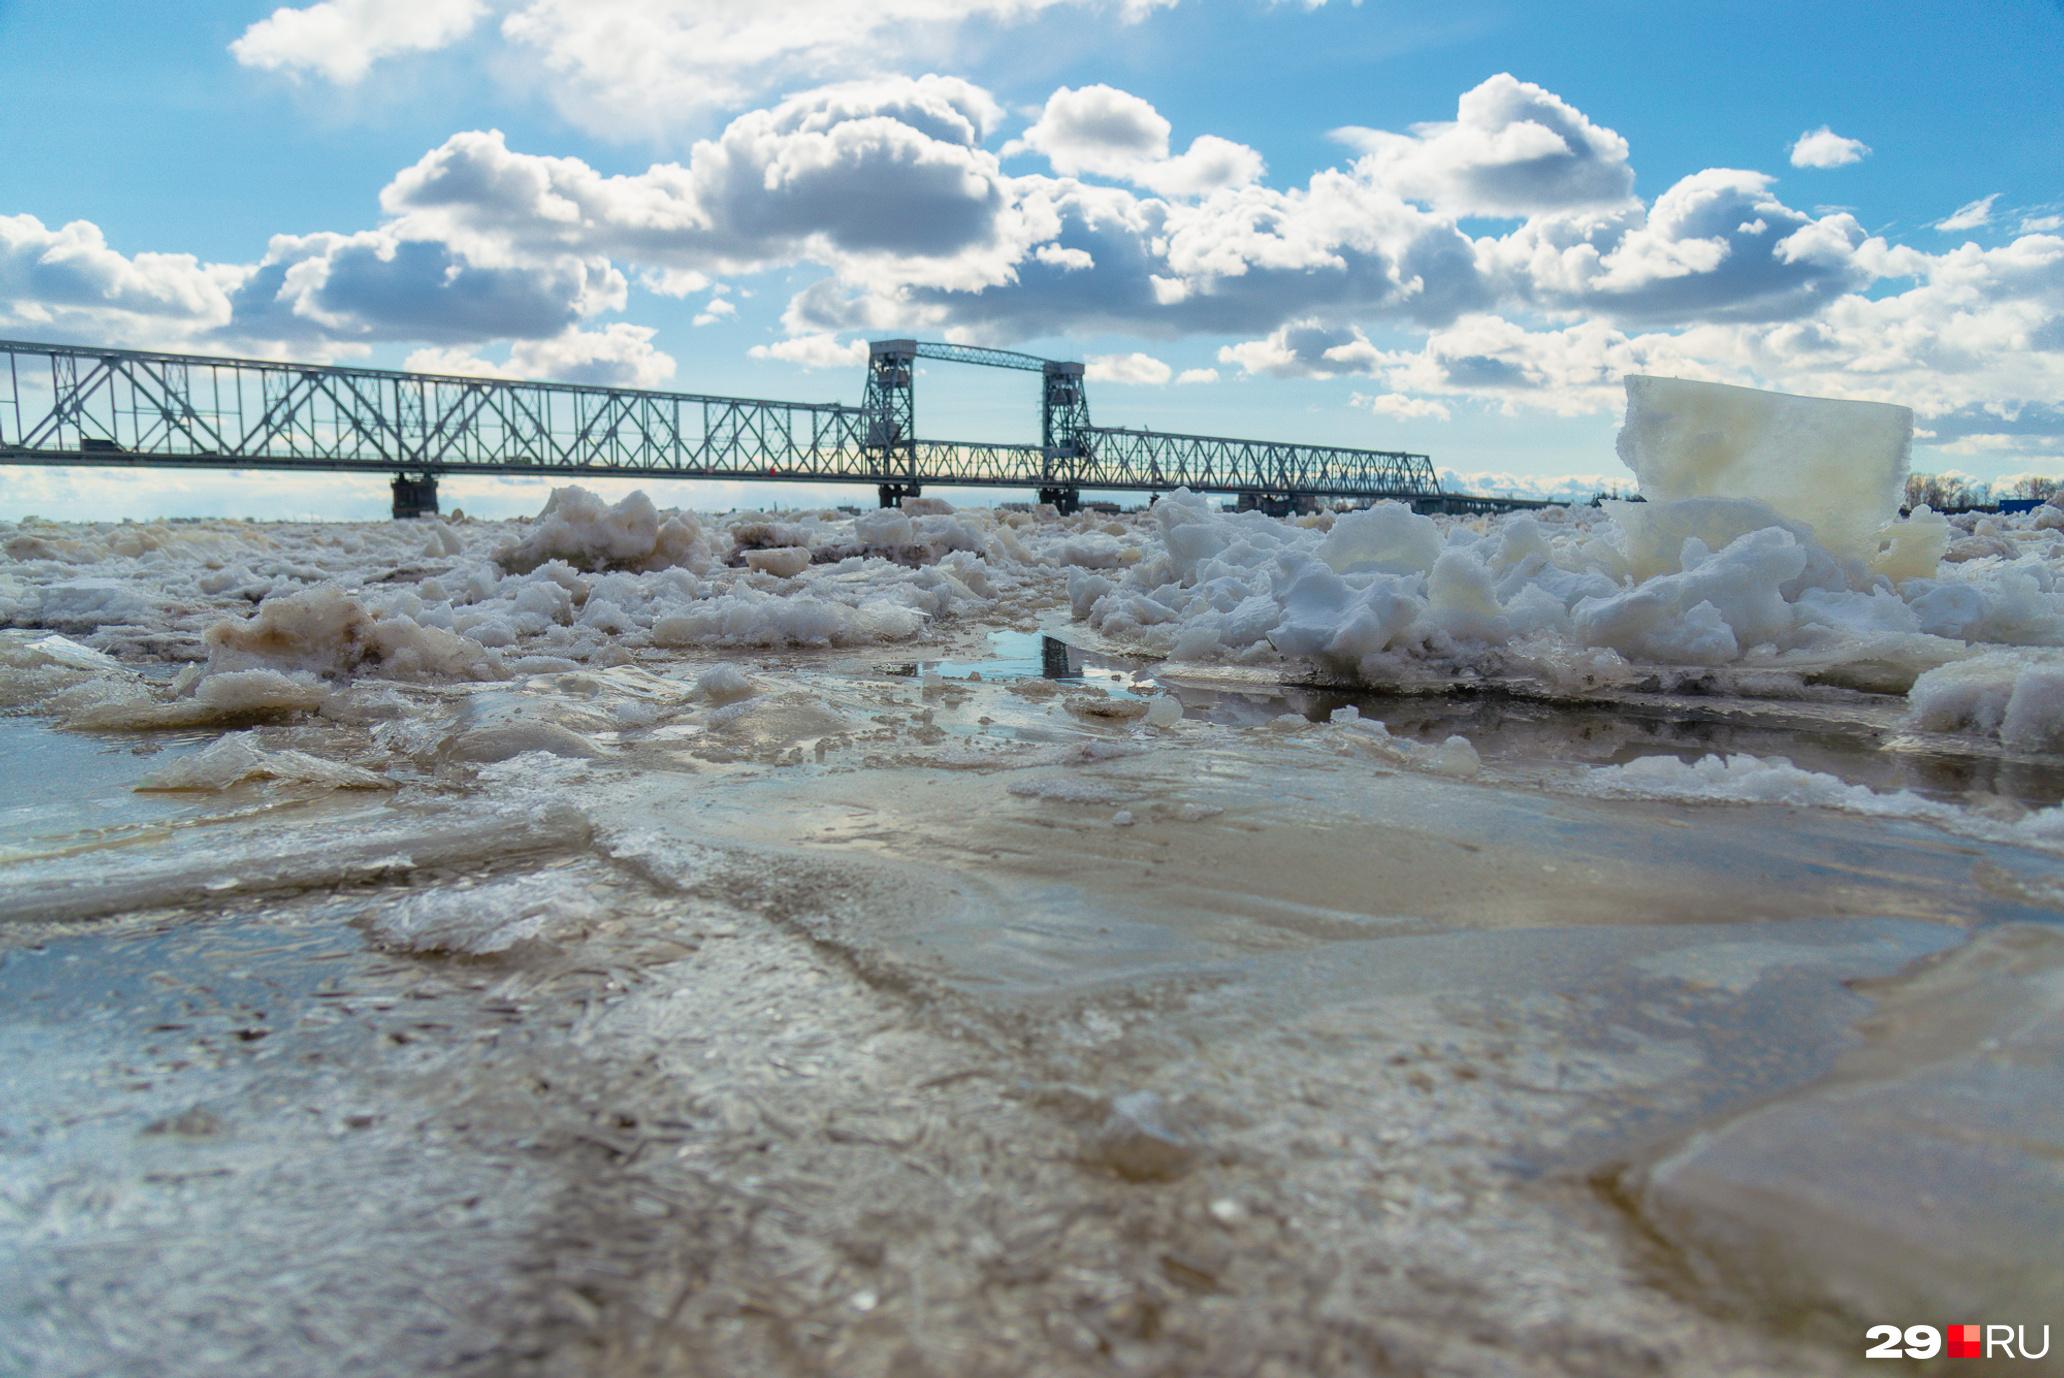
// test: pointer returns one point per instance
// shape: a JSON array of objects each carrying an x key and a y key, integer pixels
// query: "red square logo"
[{"x": 1964, "y": 1342}]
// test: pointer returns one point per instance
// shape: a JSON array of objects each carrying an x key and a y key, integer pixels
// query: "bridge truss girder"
[{"x": 73, "y": 405}]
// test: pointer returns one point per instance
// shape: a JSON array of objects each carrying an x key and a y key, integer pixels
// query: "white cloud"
[
  {"x": 645, "y": 66},
  {"x": 1823, "y": 148},
  {"x": 1101, "y": 131},
  {"x": 386, "y": 285},
  {"x": 1513, "y": 149},
  {"x": 1067, "y": 260},
  {"x": 1572, "y": 371},
  {"x": 814, "y": 351},
  {"x": 883, "y": 179},
  {"x": 1399, "y": 407},
  {"x": 640, "y": 68},
  {"x": 340, "y": 40},
  {"x": 1716, "y": 244},
  {"x": 889, "y": 190},
  {"x": 716, "y": 310},
  {"x": 1137, "y": 368},
  {"x": 67, "y": 281},
  {"x": 458, "y": 360},
  {"x": 1551, "y": 487},
  {"x": 1969, "y": 216},
  {"x": 1305, "y": 349},
  {"x": 673, "y": 282},
  {"x": 617, "y": 355},
  {"x": 1191, "y": 376}
]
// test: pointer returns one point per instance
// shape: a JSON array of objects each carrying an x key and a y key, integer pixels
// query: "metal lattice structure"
[{"x": 67, "y": 404}]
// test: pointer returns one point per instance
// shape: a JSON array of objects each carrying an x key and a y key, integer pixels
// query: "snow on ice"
[{"x": 1768, "y": 544}]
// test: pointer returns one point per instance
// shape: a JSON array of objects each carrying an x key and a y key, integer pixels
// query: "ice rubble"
[
  {"x": 1769, "y": 546},
  {"x": 1769, "y": 542},
  {"x": 579, "y": 529},
  {"x": 240, "y": 756}
]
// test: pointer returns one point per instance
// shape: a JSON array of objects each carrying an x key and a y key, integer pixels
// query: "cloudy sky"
[{"x": 1447, "y": 228}]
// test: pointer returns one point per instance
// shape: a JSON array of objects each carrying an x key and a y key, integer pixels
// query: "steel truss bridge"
[{"x": 74, "y": 405}]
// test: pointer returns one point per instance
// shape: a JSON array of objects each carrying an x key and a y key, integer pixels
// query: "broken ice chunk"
[
  {"x": 784, "y": 561},
  {"x": 1138, "y": 1141},
  {"x": 1838, "y": 467}
]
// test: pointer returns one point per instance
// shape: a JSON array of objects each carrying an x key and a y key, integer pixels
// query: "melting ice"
[{"x": 674, "y": 938}]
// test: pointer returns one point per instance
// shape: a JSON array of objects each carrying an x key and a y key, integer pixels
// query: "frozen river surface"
[
  {"x": 969, "y": 944},
  {"x": 893, "y": 1018}
]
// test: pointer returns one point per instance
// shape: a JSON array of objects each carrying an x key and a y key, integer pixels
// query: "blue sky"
[{"x": 1358, "y": 224}]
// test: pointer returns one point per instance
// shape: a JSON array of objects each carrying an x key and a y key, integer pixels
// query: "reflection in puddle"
[
  {"x": 1035, "y": 655},
  {"x": 1855, "y": 739}
]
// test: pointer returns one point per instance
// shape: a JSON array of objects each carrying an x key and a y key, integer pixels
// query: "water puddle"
[
  {"x": 62, "y": 784},
  {"x": 1854, "y": 738}
]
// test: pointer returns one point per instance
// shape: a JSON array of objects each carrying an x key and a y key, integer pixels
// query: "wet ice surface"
[
  {"x": 785, "y": 1060},
  {"x": 1002, "y": 943}
]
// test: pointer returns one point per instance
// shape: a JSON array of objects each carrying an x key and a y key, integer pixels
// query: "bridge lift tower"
[{"x": 891, "y": 408}]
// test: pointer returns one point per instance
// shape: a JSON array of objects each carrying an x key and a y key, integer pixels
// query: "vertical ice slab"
[{"x": 1838, "y": 467}]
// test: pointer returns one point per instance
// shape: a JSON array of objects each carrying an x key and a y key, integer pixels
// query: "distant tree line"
[{"x": 1946, "y": 492}]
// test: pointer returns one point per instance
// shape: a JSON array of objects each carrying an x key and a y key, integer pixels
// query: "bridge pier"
[
  {"x": 892, "y": 494},
  {"x": 415, "y": 497},
  {"x": 1276, "y": 504},
  {"x": 1066, "y": 501}
]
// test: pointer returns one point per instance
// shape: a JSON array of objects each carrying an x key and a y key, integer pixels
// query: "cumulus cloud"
[
  {"x": 814, "y": 351},
  {"x": 340, "y": 40},
  {"x": 383, "y": 285},
  {"x": 1513, "y": 149},
  {"x": 617, "y": 355},
  {"x": 1305, "y": 349},
  {"x": 1716, "y": 244},
  {"x": 1127, "y": 368},
  {"x": 1101, "y": 131},
  {"x": 885, "y": 197},
  {"x": 1823, "y": 147},
  {"x": 1567, "y": 371},
  {"x": 68, "y": 280},
  {"x": 1399, "y": 407},
  {"x": 889, "y": 173},
  {"x": 1969, "y": 216},
  {"x": 645, "y": 66},
  {"x": 1549, "y": 487},
  {"x": 716, "y": 309}
]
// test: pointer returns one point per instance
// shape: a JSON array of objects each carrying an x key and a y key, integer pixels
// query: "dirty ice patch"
[
  {"x": 583, "y": 530},
  {"x": 332, "y": 634}
]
